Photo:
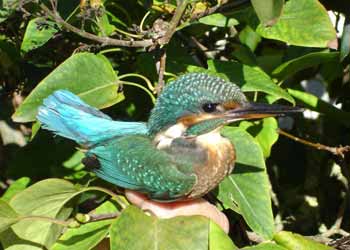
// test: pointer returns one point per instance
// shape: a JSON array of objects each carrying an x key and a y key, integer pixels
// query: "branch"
[
  {"x": 338, "y": 151},
  {"x": 87, "y": 218},
  {"x": 174, "y": 22},
  {"x": 161, "y": 70},
  {"x": 103, "y": 40}
]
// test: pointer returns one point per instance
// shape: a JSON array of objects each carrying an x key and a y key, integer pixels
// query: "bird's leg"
[{"x": 179, "y": 208}]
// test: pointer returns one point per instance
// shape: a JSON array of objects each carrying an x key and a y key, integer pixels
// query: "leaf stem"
[
  {"x": 143, "y": 20},
  {"x": 141, "y": 87},
  {"x": 148, "y": 82}
]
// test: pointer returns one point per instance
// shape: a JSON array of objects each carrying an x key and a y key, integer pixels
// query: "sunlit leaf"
[
  {"x": 268, "y": 11},
  {"x": 8, "y": 216},
  {"x": 265, "y": 246},
  {"x": 293, "y": 241},
  {"x": 247, "y": 189},
  {"x": 249, "y": 37},
  {"x": 37, "y": 33},
  {"x": 316, "y": 104},
  {"x": 87, "y": 235},
  {"x": 182, "y": 232},
  {"x": 302, "y": 23},
  {"x": 85, "y": 74},
  {"x": 309, "y": 60},
  {"x": 16, "y": 187},
  {"x": 219, "y": 20},
  {"x": 264, "y": 131}
]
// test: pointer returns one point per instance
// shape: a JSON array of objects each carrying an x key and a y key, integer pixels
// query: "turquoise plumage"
[{"x": 178, "y": 154}]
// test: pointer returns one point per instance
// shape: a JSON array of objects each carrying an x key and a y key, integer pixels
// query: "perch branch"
[
  {"x": 103, "y": 40},
  {"x": 174, "y": 22},
  {"x": 339, "y": 151},
  {"x": 161, "y": 70}
]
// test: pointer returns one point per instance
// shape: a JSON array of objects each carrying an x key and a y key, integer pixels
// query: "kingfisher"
[{"x": 179, "y": 154}]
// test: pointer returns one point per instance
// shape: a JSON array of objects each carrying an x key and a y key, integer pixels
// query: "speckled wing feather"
[{"x": 133, "y": 162}]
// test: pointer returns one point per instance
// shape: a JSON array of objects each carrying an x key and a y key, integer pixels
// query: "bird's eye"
[{"x": 209, "y": 107}]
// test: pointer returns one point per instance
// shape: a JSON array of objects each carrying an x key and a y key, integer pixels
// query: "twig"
[
  {"x": 339, "y": 151},
  {"x": 219, "y": 8},
  {"x": 103, "y": 40},
  {"x": 174, "y": 22},
  {"x": 87, "y": 218},
  {"x": 161, "y": 70}
]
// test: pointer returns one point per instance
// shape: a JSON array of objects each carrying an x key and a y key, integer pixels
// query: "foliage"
[{"x": 116, "y": 55}]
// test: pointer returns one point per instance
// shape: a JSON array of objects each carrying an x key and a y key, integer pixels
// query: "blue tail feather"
[{"x": 67, "y": 115}]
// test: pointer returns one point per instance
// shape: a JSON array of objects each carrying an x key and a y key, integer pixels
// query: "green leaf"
[
  {"x": 7, "y": 8},
  {"x": 16, "y": 187},
  {"x": 265, "y": 246},
  {"x": 268, "y": 11},
  {"x": 182, "y": 232},
  {"x": 219, "y": 20},
  {"x": 249, "y": 78},
  {"x": 293, "y": 241},
  {"x": 314, "y": 103},
  {"x": 309, "y": 60},
  {"x": 218, "y": 239},
  {"x": 45, "y": 198},
  {"x": 345, "y": 42},
  {"x": 48, "y": 198},
  {"x": 37, "y": 33},
  {"x": 247, "y": 189},
  {"x": 87, "y": 235},
  {"x": 249, "y": 37},
  {"x": 302, "y": 23},
  {"x": 264, "y": 131},
  {"x": 8, "y": 216},
  {"x": 89, "y": 76}
]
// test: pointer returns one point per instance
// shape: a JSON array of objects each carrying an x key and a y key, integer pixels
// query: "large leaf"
[
  {"x": 134, "y": 230},
  {"x": 37, "y": 33},
  {"x": 293, "y": 241},
  {"x": 268, "y": 11},
  {"x": 48, "y": 198},
  {"x": 87, "y": 235},
  {"x": 314, "y": 103},
  {"x": 249, "y": 78},
  {"x": 8, "y": 216},
  {"x": 45, "y": 198},
  {"x": 264, "y": 131},
  {"x": 302, "y": 23},
  {"x": 266, "y": 246},
  {"x": 247, "y": 189},
  {"x": 89, "y": 76},
  {"x": 312, "y": 59}
]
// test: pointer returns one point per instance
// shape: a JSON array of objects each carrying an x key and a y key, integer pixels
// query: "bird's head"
[{"x": 198, "y": 103}]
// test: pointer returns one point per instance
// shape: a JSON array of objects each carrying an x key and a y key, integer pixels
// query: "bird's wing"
[{"x": 133, "y": 162}]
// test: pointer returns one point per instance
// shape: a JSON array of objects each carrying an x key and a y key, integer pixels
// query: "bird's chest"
[{"x": 219, "y": 163}]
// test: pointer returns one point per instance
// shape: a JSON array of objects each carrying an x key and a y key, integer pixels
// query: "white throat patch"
[{"x": 164, "y": 139}]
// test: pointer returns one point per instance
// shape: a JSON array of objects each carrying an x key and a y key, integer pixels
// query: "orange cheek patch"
[
  {"x": 231, "y": 105},
  {"x": 193, "y": 119}
]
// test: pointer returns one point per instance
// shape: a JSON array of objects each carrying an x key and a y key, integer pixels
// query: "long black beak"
[{"x": 259, "y": 110}]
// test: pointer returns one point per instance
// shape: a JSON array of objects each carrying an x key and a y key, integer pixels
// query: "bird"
[{"x": 178, "y": 154}]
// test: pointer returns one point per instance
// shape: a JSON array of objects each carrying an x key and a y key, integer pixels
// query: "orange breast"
[{"x": 220, "y": 163}]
